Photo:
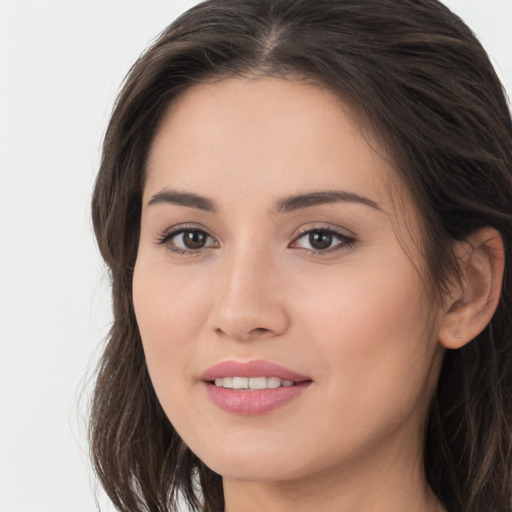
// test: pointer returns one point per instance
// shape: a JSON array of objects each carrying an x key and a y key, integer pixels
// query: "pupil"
[
  {"x": 194, "y": 239},
  {"x": 320, "y": 240}
]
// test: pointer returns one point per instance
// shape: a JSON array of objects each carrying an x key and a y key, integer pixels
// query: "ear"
[{"x": 474, "y": 299}]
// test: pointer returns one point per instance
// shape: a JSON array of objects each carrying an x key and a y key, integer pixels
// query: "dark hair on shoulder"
[{"x": 421, "y": 79}]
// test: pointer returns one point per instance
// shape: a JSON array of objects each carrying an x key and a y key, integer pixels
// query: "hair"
[{"x": 420, "y": 77}]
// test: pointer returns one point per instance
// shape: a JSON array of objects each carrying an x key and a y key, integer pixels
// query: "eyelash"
[
  {"x": 167, "y": 237},
  {"x": 343, "y": 241}
]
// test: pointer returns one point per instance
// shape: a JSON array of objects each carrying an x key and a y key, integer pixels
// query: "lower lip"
[{"x": 253, "y": 402}]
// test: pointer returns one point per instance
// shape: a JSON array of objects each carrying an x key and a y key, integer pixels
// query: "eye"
[
  {"x": 187, "y": 240},
  {"x": 322, "y": 240}
]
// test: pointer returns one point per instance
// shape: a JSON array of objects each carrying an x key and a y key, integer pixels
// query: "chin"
[{"x": 252, "y": 461}]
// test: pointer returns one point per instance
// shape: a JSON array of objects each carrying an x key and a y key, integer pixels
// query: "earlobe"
[{"x": 476, "y": 295}]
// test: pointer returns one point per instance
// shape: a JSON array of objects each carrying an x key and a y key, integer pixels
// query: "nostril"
[
  {"x": 242, "y": 335},
  {"x": 259, "y": 330}
]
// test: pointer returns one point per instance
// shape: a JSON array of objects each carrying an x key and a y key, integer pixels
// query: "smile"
[
  {"x": 254, "y": 387},
  {"x": 252, "y": 383}
]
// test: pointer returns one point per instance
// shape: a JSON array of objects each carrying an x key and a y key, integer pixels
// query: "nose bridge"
[
  {"x": 248, "y": 303},
  {"x": 245, "y": 270}
]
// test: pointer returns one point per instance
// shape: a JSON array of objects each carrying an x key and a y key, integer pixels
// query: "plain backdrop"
[{"x": 61, "y": 64}]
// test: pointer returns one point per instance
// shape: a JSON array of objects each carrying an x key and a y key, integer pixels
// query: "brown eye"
[
  {"x": 323, "y": 241},
  {"x": 320, "y": 240},
  {"x": 182, "y": 241},
  {"x": 194, "y": 239}
]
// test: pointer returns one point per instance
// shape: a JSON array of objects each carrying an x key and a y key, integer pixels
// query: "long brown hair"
[{"x": 416, "y": 72}]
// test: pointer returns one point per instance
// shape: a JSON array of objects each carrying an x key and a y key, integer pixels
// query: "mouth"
[
  {"x": 254, "y": 387},
  {"x": 246, "y": 374},
  {"x": 252, "y": 383}
]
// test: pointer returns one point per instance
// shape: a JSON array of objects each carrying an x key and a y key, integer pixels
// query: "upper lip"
[{"x": 254, "y": 368}]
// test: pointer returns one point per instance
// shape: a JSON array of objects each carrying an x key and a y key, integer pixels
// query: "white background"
[{"x": 61, "y": 64}]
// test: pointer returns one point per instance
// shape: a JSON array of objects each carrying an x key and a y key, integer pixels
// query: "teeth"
[
  {"x": 273, "y": 382},
  {"x": 240, "y": 382},
  {"x": 258, "y": 383},
  {"x": 252, "y": 382}
]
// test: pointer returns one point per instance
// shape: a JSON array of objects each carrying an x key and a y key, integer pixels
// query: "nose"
[{"x": 249, "y": 304}]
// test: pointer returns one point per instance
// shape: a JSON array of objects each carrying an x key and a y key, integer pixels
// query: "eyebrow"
[
  {"x": 183, "y": 199},
  {"x": 301, "y": 201},
  {"x": 287, "y": 204}
]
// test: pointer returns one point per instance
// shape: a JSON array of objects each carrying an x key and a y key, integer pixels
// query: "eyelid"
[
  {"x": 347, "y": 239},
  {"x": 173, "y": 231}
]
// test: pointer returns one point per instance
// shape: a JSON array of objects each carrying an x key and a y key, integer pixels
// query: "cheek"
[
  {"x": 170, "y": 309},
  {"x": 372, "y": 332},
  {"x": 374, "y": 350},
  {"x": 170, "y": 312}
]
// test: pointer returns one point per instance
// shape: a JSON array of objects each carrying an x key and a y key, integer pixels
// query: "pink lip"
[
  {"x": 254, "y": 368},
  {"x": 252, "y": 402}
]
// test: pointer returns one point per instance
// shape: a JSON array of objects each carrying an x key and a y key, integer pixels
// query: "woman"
[{"x": 306, "y": 211}]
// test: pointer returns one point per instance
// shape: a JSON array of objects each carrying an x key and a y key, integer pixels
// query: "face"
[{"x": 286, "y": 329}]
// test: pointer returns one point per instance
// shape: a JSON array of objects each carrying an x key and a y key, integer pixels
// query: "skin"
[{"x": 355, "y": 318}]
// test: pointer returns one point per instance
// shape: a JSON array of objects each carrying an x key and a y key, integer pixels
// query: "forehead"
[{"x": 268, "y": 135}]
